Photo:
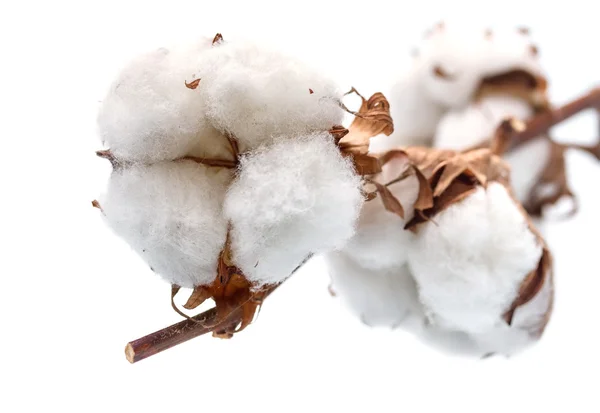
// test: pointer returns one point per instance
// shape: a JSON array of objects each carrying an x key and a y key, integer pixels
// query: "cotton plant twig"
[
  {"x": 541, "y": 123},
  {"x": 223, "y": 321}
]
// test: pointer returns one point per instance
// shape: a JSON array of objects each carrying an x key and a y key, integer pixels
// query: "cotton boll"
[
  {"x": 470, "y": 264},
  {"x": 150, "y": 115},
  {"x": 464, "y": 128},
  {"x": 255, "y": 94},
  {"x": 454, "y": 59},
  {"x": 525, "y": 173},
  {"x": 170, "y": 213},
  {"x": 378, "y": 297},
  {"x": 291, "y": 198}
]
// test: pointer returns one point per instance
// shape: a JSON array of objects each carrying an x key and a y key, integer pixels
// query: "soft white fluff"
[
  {"x": 466, "y": 54},
  {"x": 470, "y": 264},
  {"x": 150, "y": 115},
  {"x": 463, "y": 128},
  {"x": 291, "y": 198},
  {"x": 369, "y": 273},
  {"x": 170, "y": 213},
  {"x": 527, "y": 163},
  {"x": 385, "y": 297},
  {"x": 509, "y": 49},
  {"x": 456, "y": 50},
  {"x": 256, "y": 93}
]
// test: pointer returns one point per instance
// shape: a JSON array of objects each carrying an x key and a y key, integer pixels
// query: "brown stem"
[
  {"x": 541, "y": 123},
  {"x": 181, "y": 332},
  {"x": 188, "y": 329}
]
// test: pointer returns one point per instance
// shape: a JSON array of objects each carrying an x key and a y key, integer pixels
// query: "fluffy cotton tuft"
[
  {"x": 525, "y": 173},
  {"x": 256, "y": 93},
  {"x": 378, "y": 297},
  {"x": 454, "y": 59},
  {"x": 470, "y": 264},
  {"x": 291, "y": 198},
  {"x": 450, "y": 64},
  {"x": 150, "y": 115},
  {"x": 447, "y": 70},
  {"x": 170, "y": 213}
]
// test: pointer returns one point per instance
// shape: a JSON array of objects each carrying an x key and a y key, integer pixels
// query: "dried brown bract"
[{"x": 193, "y": 84}]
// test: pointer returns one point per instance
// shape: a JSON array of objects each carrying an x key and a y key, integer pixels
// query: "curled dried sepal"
[
  {"x": 107, "y": 154},
  {"x": 372, "y": 119},
  {"x": 193, "y": 84},
  {"x": 218, "y": 39},
  {"x": 96, "y": 204},
  {"x": 531, "y": 286},
  {"x": 231, "y": 292},
  {"x": 338, "y": 132},
  {"x": 365, "y": 164}
]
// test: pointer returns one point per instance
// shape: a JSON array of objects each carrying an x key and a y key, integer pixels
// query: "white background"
[{"x": 72, "y": 294}]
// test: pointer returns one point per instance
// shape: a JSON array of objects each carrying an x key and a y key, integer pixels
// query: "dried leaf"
[
  {"x": 534, "y": 50},
  {"x": 174, "y": 290},
  {"x": 394, "y": 154},
  {"x": 192, "y": 85},
  {"x": 425, "y": 197},
  {"x": 338, "y": 133},
  {"x": 440, "y": 72},
  {"x": 218, "y": 39},
  {"x": 450, "y": 170},
  {"x": 531, "y": 285},
  {"x": 198, "y": 296},
  {"x": 365, "y": 164},
  {"x": 372, "y": 119},
  {"x": 390, "y": 202}
]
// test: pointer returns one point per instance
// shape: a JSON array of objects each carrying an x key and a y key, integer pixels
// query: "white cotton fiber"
[
  {"x": 464, "y": 128},
  {"x": 527, "y": 163},
  {"x": 450, "y": 64},
  {"x": 293, "y": 197},
  {"x": 383, "y": 298},
  {"x": 470, "y": 264},
  {"x": 170, "y": 213},
  {"x": 256, "y": 93},
  {"x": 150, "y": 115},
  {"x": 447, "y": 71}
]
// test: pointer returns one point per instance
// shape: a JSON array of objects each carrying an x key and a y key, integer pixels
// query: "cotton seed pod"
[
  {"x": 285, "y": 182},
  {"x": 482, "y": 272},
  {"x": 455, "y": 65}
]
